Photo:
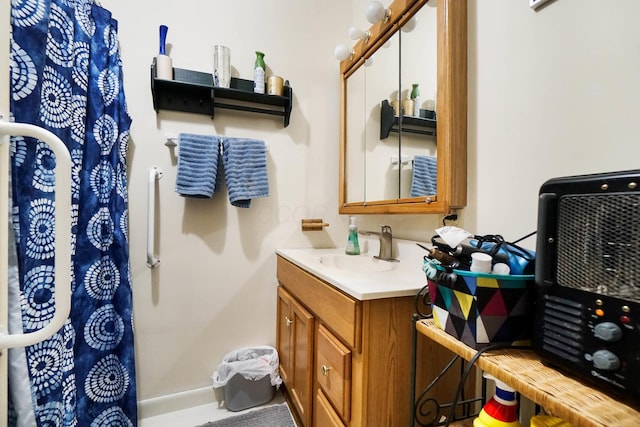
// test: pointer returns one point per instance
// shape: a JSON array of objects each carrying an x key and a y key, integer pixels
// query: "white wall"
[
  {"x": 215, "y": 289},
  {"x": 551, "y": 93}
]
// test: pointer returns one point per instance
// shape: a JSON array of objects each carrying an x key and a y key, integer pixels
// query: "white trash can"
[{"x": 249, "y": 377}]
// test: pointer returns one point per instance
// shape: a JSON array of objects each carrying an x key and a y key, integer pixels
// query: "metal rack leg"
[{"x": 439, "y": 414}]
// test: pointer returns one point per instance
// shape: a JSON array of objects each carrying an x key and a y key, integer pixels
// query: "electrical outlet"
[{"x": 534, "y": 4}]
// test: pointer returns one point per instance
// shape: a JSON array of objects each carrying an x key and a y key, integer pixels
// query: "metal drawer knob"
[
  {"x": 288, "y": 321},
  {"x": 325, "y": 370}
]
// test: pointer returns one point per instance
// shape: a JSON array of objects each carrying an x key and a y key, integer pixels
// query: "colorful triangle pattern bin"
[{"x": 481, "y": 309}]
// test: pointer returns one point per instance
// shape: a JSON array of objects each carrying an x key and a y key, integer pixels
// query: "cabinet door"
[
  {"x": 283, "y": 334},
  {"x": 323, "y": 414},
  {"x": 295, "y": 348},
  {"x": 302, "y": 353}
]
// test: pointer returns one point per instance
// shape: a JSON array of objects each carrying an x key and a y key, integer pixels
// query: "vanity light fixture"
[
  {"x": 356, "y": 33},
  {"x": 376, "y": 12},
  {"x": 342, "y": 52}
]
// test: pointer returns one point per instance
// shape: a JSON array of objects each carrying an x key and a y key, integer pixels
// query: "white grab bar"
[
  {"x": 62, "y": 263},
  {"x": 154, "y": 174}
]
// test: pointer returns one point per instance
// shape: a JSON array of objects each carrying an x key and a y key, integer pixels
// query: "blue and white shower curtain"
[{"x": 66, "y": 76}]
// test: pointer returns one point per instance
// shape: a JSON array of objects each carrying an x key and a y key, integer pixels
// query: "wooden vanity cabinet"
[{"x": 359, "y": 354}]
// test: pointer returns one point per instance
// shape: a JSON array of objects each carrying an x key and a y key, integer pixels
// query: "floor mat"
[{"x": 267, "y": 416}]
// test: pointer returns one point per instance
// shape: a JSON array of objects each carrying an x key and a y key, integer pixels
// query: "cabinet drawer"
[
  {"x": 333, "y": 371},
  {"x": 324, "y": 415},
  {"x": 341, "y": 313}
]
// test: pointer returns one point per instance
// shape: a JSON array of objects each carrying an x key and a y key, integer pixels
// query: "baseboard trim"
[{"x": 176, "y": 402}]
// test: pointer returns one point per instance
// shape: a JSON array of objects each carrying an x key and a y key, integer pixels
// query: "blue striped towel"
[
  {"x": 198, "y": 173},
  {"x": 245, "y": 170},
  {"x": 424, "y": 176}
]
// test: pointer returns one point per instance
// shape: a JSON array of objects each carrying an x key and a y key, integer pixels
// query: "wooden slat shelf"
[{"x": 560, "y": 395}]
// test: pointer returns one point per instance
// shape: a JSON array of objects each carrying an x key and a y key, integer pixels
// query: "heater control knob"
[
  {"x": 608, "y": 331},
  {"x": 605, "y": 360}
]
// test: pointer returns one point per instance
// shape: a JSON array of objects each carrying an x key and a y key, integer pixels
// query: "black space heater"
[{"x": 587, "y": 313}]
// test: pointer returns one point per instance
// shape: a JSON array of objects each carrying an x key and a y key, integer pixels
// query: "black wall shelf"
[
  {"x": 193, "y": 92},
  {"x": 389, "y": 122}
]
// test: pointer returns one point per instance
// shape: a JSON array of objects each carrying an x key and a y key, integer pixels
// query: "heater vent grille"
[
  {"x": 598, "y": 244},
  {"x": 563, "y": 328}
]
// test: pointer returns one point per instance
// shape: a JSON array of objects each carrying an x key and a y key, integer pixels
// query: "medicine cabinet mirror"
[{"x": 393, "y": 160}]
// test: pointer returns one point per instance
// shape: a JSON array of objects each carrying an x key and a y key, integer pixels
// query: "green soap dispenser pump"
[{"x": 353, "y": 247}]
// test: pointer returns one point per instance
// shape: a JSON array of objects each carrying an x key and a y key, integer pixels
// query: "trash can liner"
[{"x": 252, "y": 363}]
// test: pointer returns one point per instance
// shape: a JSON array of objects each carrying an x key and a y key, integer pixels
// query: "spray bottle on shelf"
[
  {"x": 353, "y": 247},
  {"x": 415, "y": 95},
  {"x": 259, "y": 69}
]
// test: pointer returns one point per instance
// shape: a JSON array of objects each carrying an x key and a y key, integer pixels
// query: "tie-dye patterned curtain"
[{"x": 66, "y": 76}]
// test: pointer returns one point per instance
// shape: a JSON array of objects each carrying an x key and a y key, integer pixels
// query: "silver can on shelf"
[{"x": 221, "y": 66}]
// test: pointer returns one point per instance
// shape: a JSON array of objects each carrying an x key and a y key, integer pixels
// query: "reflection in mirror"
[
  {"x": 393, "y": 158},
  {"x": 354, "y": 151},
  {"x": 418, "y": 65},
  {"x": 382, "y": 169}
]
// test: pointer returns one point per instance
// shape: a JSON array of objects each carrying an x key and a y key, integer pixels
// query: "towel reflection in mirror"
[{"x": 424, "y": 176}]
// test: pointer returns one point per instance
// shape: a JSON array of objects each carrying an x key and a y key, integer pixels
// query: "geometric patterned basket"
[{"x": 481, "y": 309}]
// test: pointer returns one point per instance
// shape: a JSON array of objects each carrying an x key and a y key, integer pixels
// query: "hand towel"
[
  {"x": 245, "y": 170},
  {"x": 424, "y": 176},
  {"x": 198, "y": 171}
]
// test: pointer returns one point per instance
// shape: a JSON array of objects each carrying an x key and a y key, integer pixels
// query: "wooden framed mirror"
[{"x": 380, "y": 147}]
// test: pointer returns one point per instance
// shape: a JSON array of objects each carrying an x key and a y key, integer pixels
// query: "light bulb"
[
  {"x": 369, "y": 61},
  {"x": 376, "y": 12},
  {"x": 410, "y": 25},
  {"x": 342, "y": 52},
  {"x": 356, "y": 33}
]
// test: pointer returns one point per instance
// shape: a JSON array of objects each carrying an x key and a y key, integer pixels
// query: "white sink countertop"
[{"x": 384, "y": 279}]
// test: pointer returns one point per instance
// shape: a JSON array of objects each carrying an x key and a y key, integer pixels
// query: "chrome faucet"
[{"x": 385, "y": 242}]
